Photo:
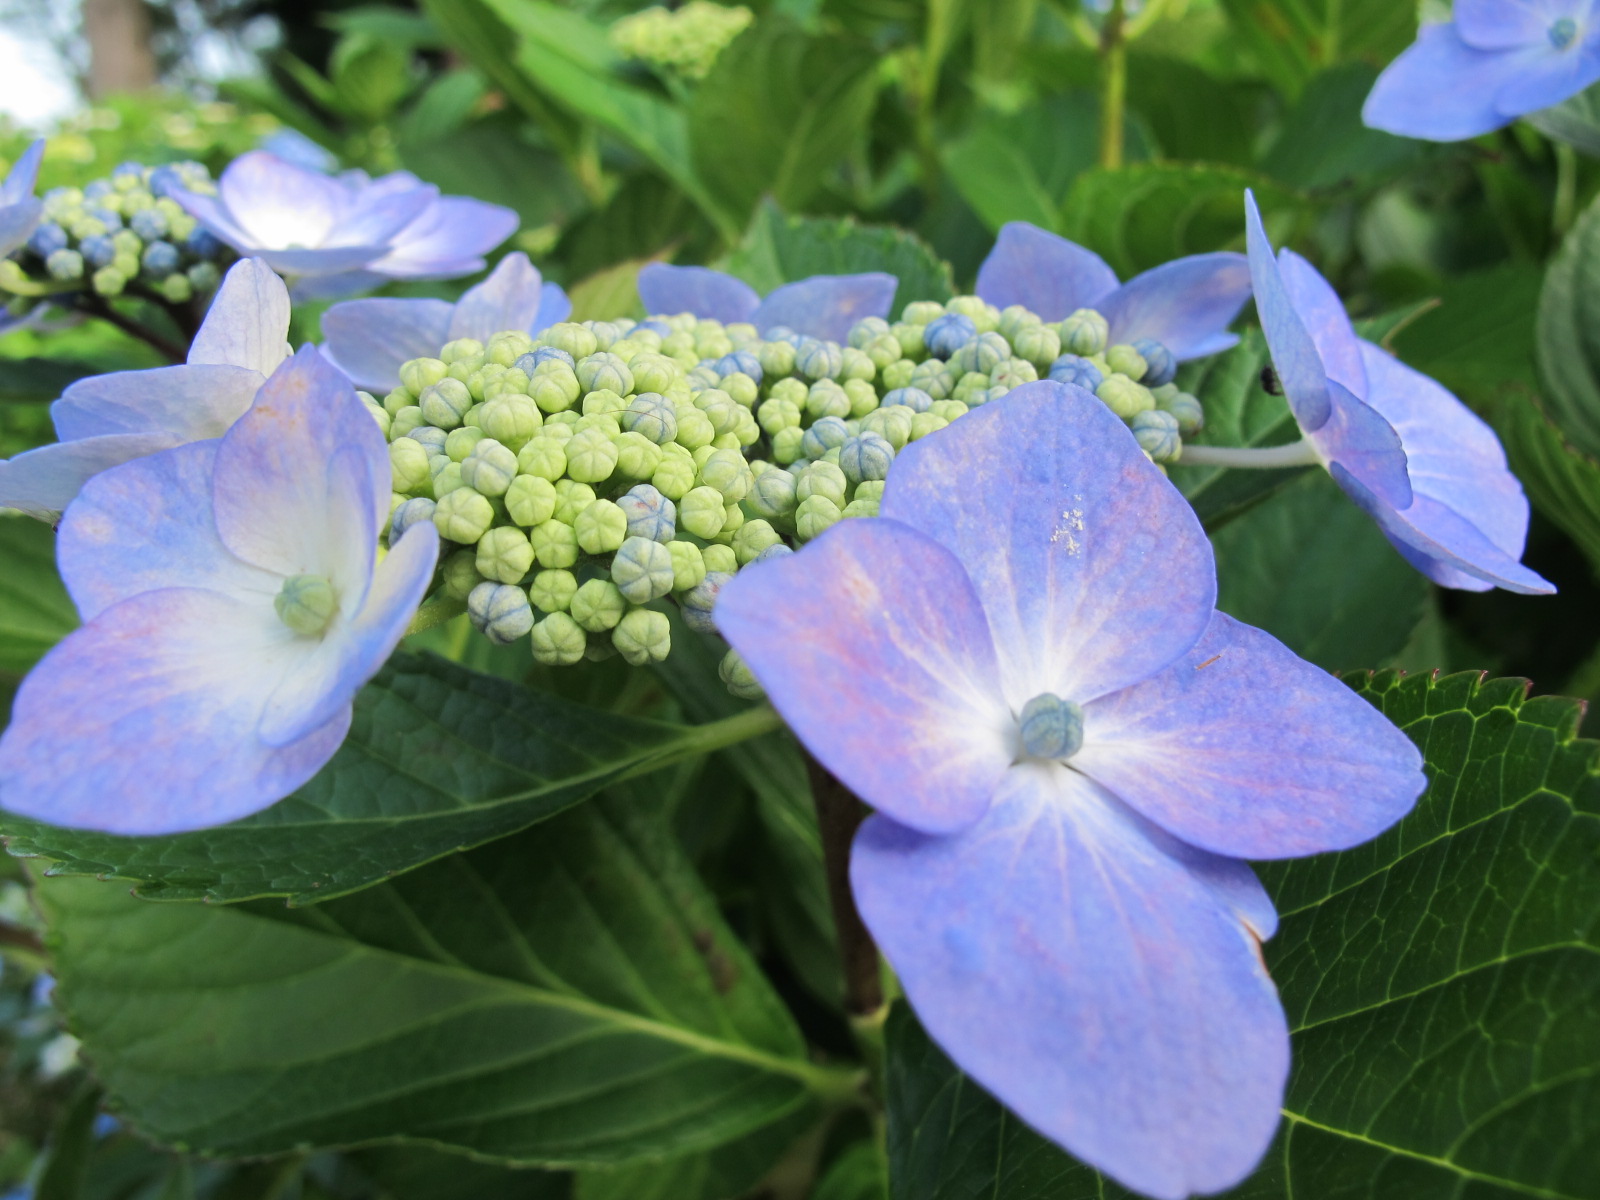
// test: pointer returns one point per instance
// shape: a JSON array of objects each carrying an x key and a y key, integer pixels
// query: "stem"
[
  {"x": 17, "y": 937},
  {"x": 711, "y": 737},
  {"x": 95, "y": 306},
  {"x": 1566, "y": 201},
  {"x": 839, "y": 814},
  {"x": 1265, "y": 458},
  {"x": 1113, "y": 86}
]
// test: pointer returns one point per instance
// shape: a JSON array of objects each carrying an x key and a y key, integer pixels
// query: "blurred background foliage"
[{"x": 786, "y": 137}]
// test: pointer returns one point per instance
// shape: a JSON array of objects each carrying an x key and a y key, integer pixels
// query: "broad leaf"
[
  {"x": 860, "y": 1173},
  {"x": 439, "y": 758},
  {"x": 1323, "y": 142},
  {"x": 1479, "y": 335},
  {"x": 1192, "y": 114},
  {"x": 1018, "y": 166},
  {"x": 1291, "y": 39},
  {"x": 568, "y": 997},
  {"x": 1575, "y": 121},
  {"x": 721, "y": 1173},
  {"x": 1562, "y": 482},
  {"x": 1569, "y": 334},
  {"x": 35, "y": 610},
  {"x": 1442, "y": 984}
]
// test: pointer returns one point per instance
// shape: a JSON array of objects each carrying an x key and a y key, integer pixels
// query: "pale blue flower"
[
  {"x": 109, "y": 419},
  {"x": 823, "y": 306},
  {"x": 20, "y": 209},
  {"x": 232, "y": 606},
  {"x": 1069, "y": 751}
]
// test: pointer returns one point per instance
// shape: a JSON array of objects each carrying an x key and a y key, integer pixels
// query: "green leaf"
[
  {"x": 1018, "y": 166},
  {"x": 492, "y": 160},
  {"x": 726, "y": 1171},
  {"x": 35, "y": 610},
  {"x": 1193, "y": 115},
  {"x": 439, "y": 758},
  {"x": 1442, "y": 984},
  {"x": 1291, "y": 39},
  {"x": 413, "y": 1172},
  {"x": 1562, "y": 482},
  {"x": 567, "y": 997},
  {"x": 779, "y": 249},
  {"x": 1575, "y": 121},
  {"x": 860, "y": 1173},
  {"x": 1323, "y": 143},
  {"x": 1479, "y": 335},
  {"x": 64, "y": 1164},
  {"x": 1314, "y": 571},
  {"x": 777, "y": 111},
  {"x": 1568, "y": 340}
]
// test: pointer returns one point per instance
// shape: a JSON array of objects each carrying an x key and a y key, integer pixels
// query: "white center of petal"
[
  {"x": 1562, "y": 32},
  {"x": 1050, "y": 727},
  {"x": 306, "y": 604}
]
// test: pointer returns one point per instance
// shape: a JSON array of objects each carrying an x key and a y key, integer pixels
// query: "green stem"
[
  {"x": 699, "y": 740},
  {"x": 1566, "y": 200},
  {"x": 1266, "y": 458},
  {"x": 1113, "y": 86}
]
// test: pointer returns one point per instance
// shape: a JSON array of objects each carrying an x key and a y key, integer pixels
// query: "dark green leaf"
[
  {"x": 410, "y": 1172},
  {"x": 1480, "y": 335},
  {"x": 1193, "y": 115},
  {"x": 568, "y": 997},
  {"x": 1442, "y": 984},
  {"x": 1562, "y": 483},
  {"x": 1018, "y": 166},
  {"x": 35, "y": 610},
  {"x": 722, "y": 1173},
  {"x": 40, "y": 380},
  {"x": 1323, "y": 142},
  {"x": 66, "y": 1160},
  {"x": 1291, "y": 39},
  {"x": 860, "y": 1173},
  {"x": 490, "y": 159},
  {"x": 1575, "y": 121},
  {"x": 444, "y": 106},
  {"x": 438, "y": 759},
  {"x": 1569, "y": 334}
]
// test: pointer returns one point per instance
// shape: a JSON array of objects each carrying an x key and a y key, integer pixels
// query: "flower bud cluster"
[
  {"x": 685, "y": 41},
  {"x": 126, "y": 230},
  {"x": 589, "y": 476}
]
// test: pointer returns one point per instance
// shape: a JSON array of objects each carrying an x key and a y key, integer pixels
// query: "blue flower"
[
  {"x": 1186, "y": 305},
  {"x": 1497, "y": 60},
  {"x": 109, "y": 419},
  {"x": 1421, "y": 464},
  {"x": 1070, "y": 751},
  {"x": 369, "y": 339},
  {"x": 824, "y": 306},
  {"x": 232, "y": 604},
  {"x": 20, "y": 209}
]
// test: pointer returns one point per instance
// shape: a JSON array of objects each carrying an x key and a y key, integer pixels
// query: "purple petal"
[
  {"x": 1294, "y": 354},
  {"x": 147, "y": 525},
  {"x": 18, "y": 221},
  {"x": 509, "y": 299},
  {"x": 554, "y": 306},
  {"x": 826, "y": 306},
  {"x": 186, "y": 403},
  {"x": 1498, "y": 25},
  {"x": 380, "y": 219},
  {"x": 277, "y": 205},
  {"x": 24, "y": 174},
  {"x": 1093, "y": 571},
  {"x": 711, "y": 295},
  {"x": 1442, "y": 89},
  {"x": 329, "y": 260},
  {"x": 1322, "y": 314},
  {"x": 1364, "y": 446},
  {"x": 280, "y": 502},
  {"x": 871, "y": 644},
  {"x": 1186, "y": 305},
  {"x": 1044, "y": 273},
  {"x": 1103, "y": 980},
  {"x": 335, "y": 286},
  {"x": 248, "y": 322},
  {"x": 369, "y": 340},
  {"x": 449, "y": 238},
  {"x": 43, "y": 482},
  {"x": 143, "y": 721},
  {"x": 214, "y": 215},
  {"x": 1245, "y": 750},
  {"x": 1548, "y": 77}
]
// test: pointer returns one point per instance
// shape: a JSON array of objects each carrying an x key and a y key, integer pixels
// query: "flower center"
[
  {"x": 1562, "y": 32},
  {"x": 1051, "y": 727},
  {"x": 306, "y": 604}
]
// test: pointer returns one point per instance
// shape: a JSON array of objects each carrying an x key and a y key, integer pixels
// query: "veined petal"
[
  {"x": 1246, "y": 750},
  {"x": 147, "y": 525},
  {"x": 1100, "y": 978},
  {"x": 1507, "y": 24},
  {"x": 186, "y": 403},
  {"x": 18, "y": 221},
  {"x": 1365, "y": 445},
  {"x": 369, "y": 340},
  {"x": 1442, "y": 89},
  {"x": 248, "y": 323},
  {"x": 1322, "y": 314},
  {"x": 327, "y": 260},
  {"x": 872, "y": 645},
  {"x": 1294, "y": 354},
  {"x": 1186, "y": 305},
  {"x": 508, "y": 299},
  {"x": 376, "y": 219},
  {"x": 1044, "y": 273},
  {"x": 826, "y": 306},
  {"x": 43, "y": 482},
  {"x": 143, "y": 721},
  {"x": 667, "y": 290},
  {"x": 211, "y": 212},
  {"x": 277, "y": 204},
  {"x": 24, "y": 174},
  {"x": 554, "y": 306},
  {"x": 1093, "y": 571},
  {"x": 450, "y": 237}
]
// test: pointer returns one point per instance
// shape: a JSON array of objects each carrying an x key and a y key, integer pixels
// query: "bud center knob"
[
  {"x": 306, "y": 604},
  {"x": 1051, "y": 727}
]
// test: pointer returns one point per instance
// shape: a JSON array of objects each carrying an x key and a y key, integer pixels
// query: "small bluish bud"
[
  {"x": 489, "y": 468},
  {"x": 605, "y": 372},
  {"x": 432, "y": 439},
  {"x": 780, "y": 333},
  {"x": 414, "y": 511},
  {"x": 408, "y": 466},
  {"x": 499, "y": 611},
  {"x": 864, "y": 330},
  {"x": 1050, "y": 727},
  {"x": 867, "y": 456},
  {"x": 463, "y": 515},
  {"x": 159, "y": 259},
  {"x": 1157, "y": 434},
  {"x": 205, "y": 276},
  {"x": 913, "y": 398},
  {"x": 64, "y": 265},
  {"x": 753, "y": 537},
  {"x": 552, "y": 591},
  {"x": 1160, "y": 365},
  {"x": 818, "y": 359},
  {"x": 737, "y": 677},
  {"x": 652, "y": 415},
  {"x": 1071, "y": 368},
  {"x": 306, "y": 604},
  {"x": 688, "y": 565},
  {"x": 728, "y": 473},
  {"x": 642, "y": 570},
  {"x": 699, "y": 601},
  {"x": 982, "y": 354},
  {"x": 445, "y": 403},
  {"x": 558, "y": 640},
  {"x": 742, "y": 362},
  {"x": 600, "y": 527},
  {"x": 597, "y": 606},
  {"x": 1084, "y": 332},
  {"x": 778, "y": 550},
  {"x": 47, "y": 239},
  {"x": 1125, "y": 397},
  {"x": 815, "y": 515},
  {"x": 824, "y": 436},
  {"x": 1562, "y": 31},
  {"x": 543, "y": 354},
  {"x": 149, "y": 223},
  {"x": 649, "y": 514},
  {"x": 773, "y": 494},
  {"x": 948, "y": 334},
  {"x": 201, "y": 243},
  {"x": 1186, "y": 408},
  {"x": 643, "y": 637},
  {"x": 98, "y": 251},
  {"x": 504, "y": 554},
  {"x": 1124, "y": 359},
  {"x": 555, "y": 544}
]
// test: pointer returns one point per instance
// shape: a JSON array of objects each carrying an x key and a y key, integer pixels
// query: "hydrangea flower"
[
  {"x": 232, "y": 608},
  {"x": 370, "y": 339},
  {"x": 1070, "y": 751},
  {"x": 824, "y": 306},
  {"x": 20, "y": 209},
  {"x": 1496, "y": 61},
  {"x": 1418, "y": 461},
  {"x": 109, "y": 419},
  {"x": 1186, "y": 305}
]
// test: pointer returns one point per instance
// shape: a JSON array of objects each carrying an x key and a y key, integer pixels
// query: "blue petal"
[
  {"x": 1548, "y": 76},
  {"x": 1442, "y": 89},
  {"x": 1093, "y": 571},
  {"x": 378, "y": 218},
  {"x": 1244, "y": 749},
  {"x": 24, "y": 174},
  {"x": 187, "y": 403},
  {"x": 143, "y": 721},
  {"x": 1044, "y": 273},
  {"x": 1364, "y": 446},
  {"x": 871, "y": 644},
  {"x": 1103, "y": 980},
  {"x": 1322, "y": 314},
  {"x": 369, "y": 340},
  {"x": 711, "y": 295},
  {"x": 509, "y": 299},
  {"x": 1186, "y": 305},
  {"x": 448, "y": 239},
  {"x": 212, "y": 213},
  {"x": 248, "y": 322},
  {"x": 43, "y": 482},
  {"x": 826, "y": 306},
  {"x": 1294, "y": 354},
  {"x": 554, "y": 307},
  {"x": 17, "y": 223},
  {"x": 277, "y": 205},
  {"x": 1499, "y": 25}
]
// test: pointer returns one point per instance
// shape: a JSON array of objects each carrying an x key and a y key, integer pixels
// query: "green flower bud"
[
  {"x": 787, "y": 444},
  {"x": 1157, "y": 435},
  {"x": 591, "y": 457},
  {"x": 572, "y": 498},
  {"x": 555, "y": 544},
  {"x": 460, "y": 442},
  {"x": 408, "y": 466},
  {"x": 543, "y": 457},
  {"x": 922, "y": 312},
  {"x": 637, "y": 456},
  {"x": 606, "y": 422},
  {"x": 864, "y": 330},
  {"x": 1125, "y": 360},
  {"x": 1084, "y": 332},
  {"x": 530, "y": 500},
  {"x": 558, "y": 640},
  {"x": 555, "y": 390},
  {"x": 893, "y": 424},
  {"x": 654, "y": 373},
  {"x": 719, "y": 558},
  {"x": 1038, "y": 344},
  {"x": 776, "y": 359},
  {"x": 821, "y": 479},
  {"x": 461, "y": 350},
  {"x": 1014, "y": 319},
  {"x": 971, "y": 384},
  {"x": 1125, "y": 397},
  {"x": 982, "y": 354},
  {"x": 911, "y": 339},
  {"x": 982, "y": 314},
  {"x": 720, "y": 407},
  {"x": 948, "y": 409},
  {"x": 552, "y": 591},
  {"x": 702, "y": 512},
  {"x": 815, "y": 514},
  {"x": 814, "y": 359},
  {"x": 601, "y": 527},
  {"x": 1014, "y": 372},
  {"x": 597, "y": 606},
  {"x": 446, "y": 476},
  {"x": 727, "y": 472},
  {"x": 176, "y": 289},
  {"x": 752, "y": 538},
  {"x": 561, "y": 426},
  {"x": 643, "y": 637},
  {"x": 604, "y": 402},
  {"x": 379, "y": 414},
  {"x": 863, "y": 398},
  {"x": 694, "y": 428},
  {"x": 489, "y": 468},
  {"x": 933, "y": 377},
  {"x": 511, "y": 420},
  {"x": 737, "y": 677},
  {"x": 675, "y": 475},
  {"x": 1186, "y": 408},
  {"x": 460, "y": 574},
  {"x": 855, "y": 364},
  {"x": 776, "y": 414},
  {"x": 827, "y": 399},
  {"x": 508, "y": 345},
  {"x": 642, "y": 570},
  {"x": 742, "y": 388},
  {"x": 574, "y": 339},
  {"x": 924, "y": 423},
  {"x": 504, "y": 555},
  {"x": 883, "y": 351},
  {"x": 109, "y": 281},
  {"x": 397, "y": 400},
  {"x": 870, "y": 489},
  {"x": 860, "y": 508},
  {"x": 688, "y": 565},
  {"x": 773, "y": 494},
  {"x": 897, "y": 375},
  {"x": 307, "y": 604},
  {"x": 463, "y": 515},
  {"x": 445, "y": 403},
  {"x": 732, "y": 521}
]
